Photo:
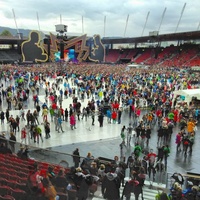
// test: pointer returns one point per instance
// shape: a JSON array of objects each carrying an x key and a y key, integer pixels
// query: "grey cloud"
[{"x": 116, "y": 12}]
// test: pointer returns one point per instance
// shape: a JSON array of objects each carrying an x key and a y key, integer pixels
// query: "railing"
[
  {"x": 169, "y": 180},
  {"x": 42, "y": 155}
]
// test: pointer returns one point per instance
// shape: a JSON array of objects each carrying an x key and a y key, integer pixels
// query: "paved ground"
[{"x": 102, "y": 142}]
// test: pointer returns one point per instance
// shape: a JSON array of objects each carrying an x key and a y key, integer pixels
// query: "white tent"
[{"x": 188, "y": 94}]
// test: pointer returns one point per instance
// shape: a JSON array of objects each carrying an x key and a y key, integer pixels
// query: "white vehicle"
[{"x": 136, "y": 66}]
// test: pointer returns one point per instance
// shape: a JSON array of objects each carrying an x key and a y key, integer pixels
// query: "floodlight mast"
[
  {"x": 126, "y": 25},
  {"x": 163, "y": 15},
  {"x": 104, "y": 28},
  {"x": 38, "y": 21},
  {"x": 16, "y": 24},
  {"x": 180, "y": 17},
  {"x": 145, "y": 23}
]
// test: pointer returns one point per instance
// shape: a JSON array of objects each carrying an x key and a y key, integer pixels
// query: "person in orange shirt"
[
  {"x": 49, "y": 190},
  {"x": 190, "y": 126}
]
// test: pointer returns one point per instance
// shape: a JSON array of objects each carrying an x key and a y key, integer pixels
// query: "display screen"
[{"x": 69, "y": 56}]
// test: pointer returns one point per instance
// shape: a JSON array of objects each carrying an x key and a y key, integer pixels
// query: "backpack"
[
  {"x": 89, "y": 180},
  {"x": 176, "y": 177},
  {"x": 39, "y": 130}
]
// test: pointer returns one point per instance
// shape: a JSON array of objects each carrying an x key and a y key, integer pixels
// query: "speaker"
[
  {"x": 61, "y": 50},
  {"x": 48, "y": 42}
]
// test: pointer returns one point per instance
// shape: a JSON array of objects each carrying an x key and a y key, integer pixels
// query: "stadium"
[
  {"x": 91, "y": 117},
  {"x": 183, "y": 50}
]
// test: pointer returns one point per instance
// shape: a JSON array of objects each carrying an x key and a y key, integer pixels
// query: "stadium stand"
[
  {"x": 14, "y": 175},
  {"x": 147, "y": 53},
  {"x": 113, "y": 55},
  {"x": 9, "y": 56}
]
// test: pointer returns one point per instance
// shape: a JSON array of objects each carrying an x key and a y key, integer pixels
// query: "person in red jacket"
[{"x": 114, "y": 116}]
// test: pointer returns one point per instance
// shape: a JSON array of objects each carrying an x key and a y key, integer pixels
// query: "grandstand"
[{"x": 183, "y": 50}]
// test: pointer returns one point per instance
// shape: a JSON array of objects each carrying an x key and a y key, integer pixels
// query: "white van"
[{"x": 136, "y": 66}]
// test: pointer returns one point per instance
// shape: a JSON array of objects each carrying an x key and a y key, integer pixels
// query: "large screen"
[{"x": 69, "y": 56}]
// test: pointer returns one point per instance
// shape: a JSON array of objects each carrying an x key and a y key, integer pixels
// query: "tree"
[{"x": 5, "y": 33}]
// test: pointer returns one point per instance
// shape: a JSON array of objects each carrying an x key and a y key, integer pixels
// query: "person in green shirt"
[
  {"x": 162, "y": 196},
  {"x": 137, "y": 150},
  {"x": 166, "y": 151},
  {"x": 51, "y": 110}
]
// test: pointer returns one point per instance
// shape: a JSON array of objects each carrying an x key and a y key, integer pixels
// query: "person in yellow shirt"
[
  {"x": 45, "y": 113},
  {"x": 190, "y": 126}
]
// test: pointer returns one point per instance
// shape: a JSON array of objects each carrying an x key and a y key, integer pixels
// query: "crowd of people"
[{"x": 109, "y": 91}]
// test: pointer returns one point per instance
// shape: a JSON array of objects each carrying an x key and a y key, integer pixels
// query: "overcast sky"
[{"x": 94, "y": 12}]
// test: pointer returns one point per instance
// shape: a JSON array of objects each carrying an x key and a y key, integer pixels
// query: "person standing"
[
  {"x": 60, "y": 124},
  {"x": 45, "y": 113},
  {"x": 12, "y": 141},
  {"x": 18, "y": 121},
  {"x": 123, "y": 133},
  {"x": 7, "y": 115},
  {"x": 114, "y": 116},
  {"x": 191, "y": 142},
  {"x": 73, "y": 121},
  {"x": 24, "y": 136},
  {"x": 110, "y": 186},
  {"x": 123, "y": 149},
  {"x": 178, "y": 141},
  {"x": 100, "y": 119},
  {"x": 166, "y": 155},
  {"x": 129, "y": 134},
  {"x": 66, "y": 114},
  {"x": 22, "y": 114},
  {"x": 108, "y": 114},
  {"x": 76, "y": 157},
  {"x": 93, "y": 116},
  {"x": 2, "y": 117},
  {"x": 47, "y": 129},
  {"x": 119, "y": 114}
]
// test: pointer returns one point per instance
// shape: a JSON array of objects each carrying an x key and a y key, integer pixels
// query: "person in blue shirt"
[
  {"x": 108, "y": 114},
  {"x": 196, "y": 114},
  {"x": 60, "y": 124}
]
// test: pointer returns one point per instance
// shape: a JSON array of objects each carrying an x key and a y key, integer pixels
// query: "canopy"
[{"x": 188, "y": 94}]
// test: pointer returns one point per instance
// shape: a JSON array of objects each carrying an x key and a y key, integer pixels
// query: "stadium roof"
[
  {"x": 194, "y": 35},
  {"x": 185, "y": 36},
  {"x": 10, "y": 39}
]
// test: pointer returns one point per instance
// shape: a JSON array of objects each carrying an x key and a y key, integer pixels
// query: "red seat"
[
  {"x": 22, "y": 179},
  {"x": 21, "y": 186},
  {"x": 4, "y": 190},
  {"x": 18, "y": 194},
  {"x": 22, "y": 174},
  {"x": 4, "y": 175},
  {"x": 2, "y": 155},
  {"x": 7, "y": 197},
  {"x": 11, "y": 183},
  {"x": 3, "y": 181},
  {"x": 2, "y": 159},
  {"x": 3, "y": 168},
  {"x": 11, "y": 171}
]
